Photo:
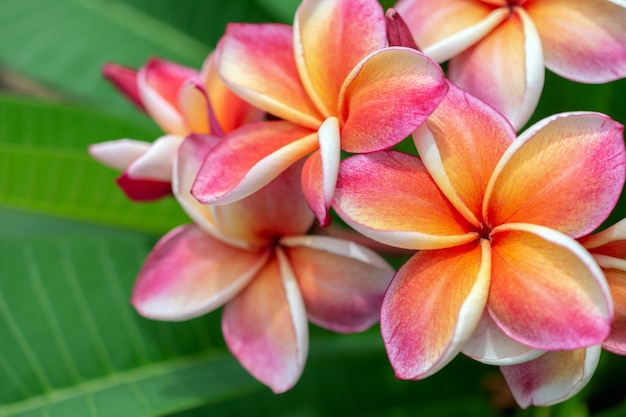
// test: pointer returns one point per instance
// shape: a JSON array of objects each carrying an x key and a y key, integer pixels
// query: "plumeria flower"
[
  {"x": 499, "y": 275},
  {"x": 181, "y": 101},
  {"x": 255, "y": 258},
  {"x": 557, "y": 376},
  {"x": 335, "y": 84},
  {"x": 498, "y": 48}
]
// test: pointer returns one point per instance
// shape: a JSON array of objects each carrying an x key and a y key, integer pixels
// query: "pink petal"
[
  {"x": 125, "y": 80},
  {"x": 138, "y": 189},
  {"x": 386, "y": 96},
  {"x": 615, "y": 271},
  {"x": 566, "y": 172},
  {"x": 390, "y": 197},
  {"x": 547, "y": 292},
  {"x": 257, "y": 63},
  {"x": 159, "y": 84},
  {"x": 265, "y": 326},
  {"x": 118, "y": 154},
  {"x": 444, "y": 29},
  {"x": 330, "y": 38},
  {"x": 156, "y": 163},
  {"x": 505, "y": 69},
  {"x": 398, "y": 33},
  {"x": 610, "y": 241},
  {"x": 488, "y": 344},
  {"x": 460, "y": 146},
  {"x": 189, "y": 273},
  {"x": 342, "y": 283},
  {"x": 583, "y": 40},
  {"x": 249, "y": 158},
  {"x": 319, "y": 176},
  {"x": 432, "y": 307},
  {"x": 551, "y": 378}
]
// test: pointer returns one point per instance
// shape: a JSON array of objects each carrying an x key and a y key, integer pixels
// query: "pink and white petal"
[
  {"x": 386, "y": 96},
  {"x": 460, "y": 146},
  {"x": 551, "y": 378},
  {"x": 125, "y": 80},
  {"x": 156, "y": 163},
  {"x": 342, "y": 283},
  {"x": 265, "y": 326},
  {"x": 597, "y": 57},
  {"x": 118, "y": 154},
  {"x": 443, "y": 29},
  {"x": 257, "y": 63},
  {"x": 505, "y": 69},
  {"x": 615, "y": 272},
  {"x": 565, "y": 172},
  {"x": 319, "y": 177},
  {"x": 189, "y": 273},
  {"x": 249, "y": 158},
  {"x": 277, "y": 209},
  {"x": 547, "y": 292},
  {"x": 488, "y": 344},
  {"x": 389, "y": 196},
  {"x": 229, "y": 110},
  {"x": 141, "y": 189},
  {"x": 611, "y": 241},
  {"x": 432, "y": 307},
  {"x": 330, "y": 38},
  {"x": 159, "y": 83}
]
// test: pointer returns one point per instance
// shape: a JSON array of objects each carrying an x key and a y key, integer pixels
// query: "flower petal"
[
  {"x": 257, "y": 62},
  {"x": 551, "y": 378},
  {"x": 488, "y": 344},
  {"x": 610, "y": 241},
  {"x": 432, "y": 307},
  {"x": 118, "y": 154},
  {"x": 265, "y": 326},
  {"x": 319, "y": 177},
  {"x": 390, "y": 197},
  {"x": 125, "y": 80},
  {"x": 615, "y": 272},
  {"x": 398, "y": 33},
  {"x": 189, "y": 273},
  {"x": 159, "y": 83},
  {"x": 195, "y": 108},
  {"x": 156, "y": 163},
  {"x": 443, "y": 29},
  {"x": 566, "y": 172},
  {"x": 547, "y": 292},
  {"x": 138, "y": 189},
  {"x": 330, "y": 38},
  {"x": 460, "y": 146},
  {"x": 597, "y": 57},
  {"x": 249, "y": 158},
  {"x": 505, "y": 69},
  {"x": 386, "y": 96},
  {"x": 342, "y": 283}
]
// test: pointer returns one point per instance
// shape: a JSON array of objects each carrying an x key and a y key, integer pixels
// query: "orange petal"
[
  {"x": 330, "y": 38},
  {"x": 505, "y": 69},
  {"x": 386, "y": 97},
  {"x": 265, "y": 326},
  {"x": 551, "y": 378},
  {"x": 610, "y": 241},
  {"x": 566, "y": 172},
  {"x": 390, "y": 197},
  {"x": 460, "y": 146},
  {"x": 257, "y": 63},
  {"x": 547, "y": 292},
  {"x": 583, "y": 40},
  {"x": 432, "y": 307}
]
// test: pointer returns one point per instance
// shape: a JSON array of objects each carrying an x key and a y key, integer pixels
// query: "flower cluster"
[{"x": 506, "y": 268}]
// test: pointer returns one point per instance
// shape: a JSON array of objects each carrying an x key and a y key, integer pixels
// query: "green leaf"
[{"x": 45, "y": 166}]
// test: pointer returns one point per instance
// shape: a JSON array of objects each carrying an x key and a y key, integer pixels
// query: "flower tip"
[
  {"x": 398, "y": 33},
  {"x": 124, "y": 79}
]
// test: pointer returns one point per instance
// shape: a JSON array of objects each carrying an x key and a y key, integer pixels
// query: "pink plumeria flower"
[
  {"x": 181, "y": 101},
  {"x": 498, "y": 48},
  {"x": 255, "y": 258},
  {"x": 499, "y": 274},
  {"x": 337, "y": 86},
  {"x": 557, "y": 376}
]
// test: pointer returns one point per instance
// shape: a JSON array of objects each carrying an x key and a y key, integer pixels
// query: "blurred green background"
[{"x": 71, "y": 244}]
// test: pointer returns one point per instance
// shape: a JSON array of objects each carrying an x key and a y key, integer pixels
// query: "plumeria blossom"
[
  {"x": 181, "y": 101},
  {"x": 498, "y": 48},
  {"x": 336, "y": 85},
  {"x": 499, "y": 275},
  {"x": 255, "y": 258}
]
